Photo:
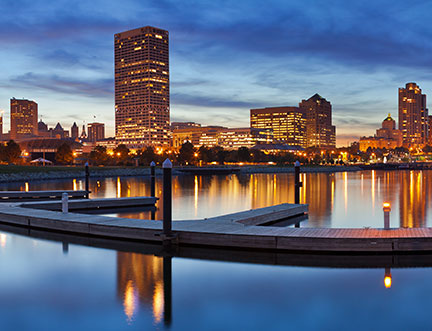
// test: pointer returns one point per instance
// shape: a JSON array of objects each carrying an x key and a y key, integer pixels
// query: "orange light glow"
[
  {"x": 386, "y": 205},
  {"x": 158, "y": 302},
  {"x": 2, "y": 240},
  {"x": 130, "y": 302},
  {"x": 387, "y": 281}
]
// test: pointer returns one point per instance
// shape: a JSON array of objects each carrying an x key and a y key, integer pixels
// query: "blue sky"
[{"x": 226, "y": 57}]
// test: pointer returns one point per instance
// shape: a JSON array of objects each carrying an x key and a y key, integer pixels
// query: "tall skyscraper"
[
  {"x": 413, "y": 115},
  {"x": 142, "y": 99},
  {"x": 287, "y": 123},
  {"x": 24, "y": 115},
  {"x": 319, "y": 129},
  {"x": 96, "y": 131}
]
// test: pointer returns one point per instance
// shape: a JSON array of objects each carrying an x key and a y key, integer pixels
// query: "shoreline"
[{"x": 101, "y": 172}]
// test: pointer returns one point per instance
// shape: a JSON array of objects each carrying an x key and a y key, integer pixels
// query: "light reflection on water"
[
  {"x": 350, "y": 199},
  {"x": 92, "y": 288}
]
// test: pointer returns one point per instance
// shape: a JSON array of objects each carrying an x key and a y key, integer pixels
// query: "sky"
[{"x": 226, "y": 57}]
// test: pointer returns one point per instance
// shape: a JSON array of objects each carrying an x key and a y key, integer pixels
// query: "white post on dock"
[
  {"x": 386, "y": 210},
  {"x": 167, "y": 197},
  {"x": 65, "y": 203}
]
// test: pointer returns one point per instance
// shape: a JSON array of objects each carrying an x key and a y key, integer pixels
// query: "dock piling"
[
  {"x": 167, "y": 197},
  {"x": 87, "y": 179},
  {"x": 297, "y": 185},
  {"x": 167, "y": 281},
  {"x": 152, "y": 179},
  {"x": 65, "y": 203}
]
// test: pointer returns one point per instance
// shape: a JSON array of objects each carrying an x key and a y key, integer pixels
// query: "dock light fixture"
[
  {"x": 386, "y": 210},
  {"x": 387, "y": 278}
]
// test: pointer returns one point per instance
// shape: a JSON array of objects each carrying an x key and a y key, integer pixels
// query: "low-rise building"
[{"x": 386, "y": 137}]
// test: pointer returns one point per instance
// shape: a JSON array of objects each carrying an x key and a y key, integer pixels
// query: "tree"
[
  {"x": 64, "y": 154},
  {"x": 99, "y": 155},
  {"x": 11, "y": 152},
  {"x": 243, "y": 154},
  {"x": 121, "y": 152},
  {"x": 205, "y": 154},
  {"x": 186, "y": 154},
  {"x": 147, "y": 155}
]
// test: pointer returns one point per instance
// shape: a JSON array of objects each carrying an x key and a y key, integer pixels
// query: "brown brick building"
[
  {"x": 319, "y": 129},
  {"x": 23, "y": 119}
]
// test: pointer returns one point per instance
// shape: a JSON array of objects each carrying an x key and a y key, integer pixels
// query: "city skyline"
[{"x": 64, "y": 60}]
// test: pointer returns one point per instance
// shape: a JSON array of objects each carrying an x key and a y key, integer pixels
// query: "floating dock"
[
  {"x": 237, "y": 230},
  {"x": 93, "y": 204},
  {"x": 8, "y": 196}
]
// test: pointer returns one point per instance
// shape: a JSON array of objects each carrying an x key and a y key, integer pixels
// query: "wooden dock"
[
  {"x": 268, "y": 257},
  {"x": 8, "y": 196},
  {"x": 238, "y": 230},
  {"x": 93, "y": 204}
]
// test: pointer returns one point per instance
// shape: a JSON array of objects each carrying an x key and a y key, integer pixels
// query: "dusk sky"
[{"x": 225, "y": 57}]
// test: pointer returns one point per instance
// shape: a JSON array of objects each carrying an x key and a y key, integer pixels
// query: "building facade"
[
  {"x": 288, "y": 124},
  {"x": 96, "y": 131},
  {"x": 319, "y": 129},
  {"x": 142, "y": 98},
  {"x": 413, "y": 115},
  {"x": 386, "y": 137},
  {"x": 23, "y": 119},
  {"x": 74, "y": 131}
]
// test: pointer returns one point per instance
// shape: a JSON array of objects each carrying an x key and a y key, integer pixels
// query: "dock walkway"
[{"x": 238, "y": 230}]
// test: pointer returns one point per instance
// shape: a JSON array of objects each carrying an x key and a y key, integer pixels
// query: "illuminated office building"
[
  {"x": 23, "y": 117},
  {"x": 142, "y": 98},
  {"x": 96, "y": 131},
  {"x": 288, "y": 124},
  {"x": 413, "y": 115},
  {"x": 319, "y": 129}
]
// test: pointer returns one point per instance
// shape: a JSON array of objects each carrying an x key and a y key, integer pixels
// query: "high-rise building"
[
  {"x": 413, "y": 115},
  {"x": 23, "y": 117},
  {"x": 319, "y": 129},
  {"x": 74, "y": 131},
  {"x": 287, "y": 123},
  {"x": 96, "y": 131},
  {"x": 142, "y": 98}
]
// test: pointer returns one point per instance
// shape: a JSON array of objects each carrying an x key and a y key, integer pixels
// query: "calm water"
[
  {"x": 60, "y": 285},
  {"x": 351, "y": 200},
  {"x": 44, "y": 286}
]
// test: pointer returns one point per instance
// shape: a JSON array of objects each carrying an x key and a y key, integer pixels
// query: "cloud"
[
  {"x": 211, "y": 101},
  {"x": 99, "y": 88}
]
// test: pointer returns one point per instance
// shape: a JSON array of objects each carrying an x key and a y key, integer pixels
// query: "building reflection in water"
[
  {"x": 140, "y": 281},
  {"x": 3, "y": 239},
  {"x": 339, "y": 199},
  {"x": 413, "y": 198}
]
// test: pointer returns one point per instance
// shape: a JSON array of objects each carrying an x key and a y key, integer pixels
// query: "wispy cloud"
[{"x": 100, "y": 88}]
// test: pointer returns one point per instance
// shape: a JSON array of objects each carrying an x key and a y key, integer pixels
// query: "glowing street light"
[{"x": 387, "y": 278}]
